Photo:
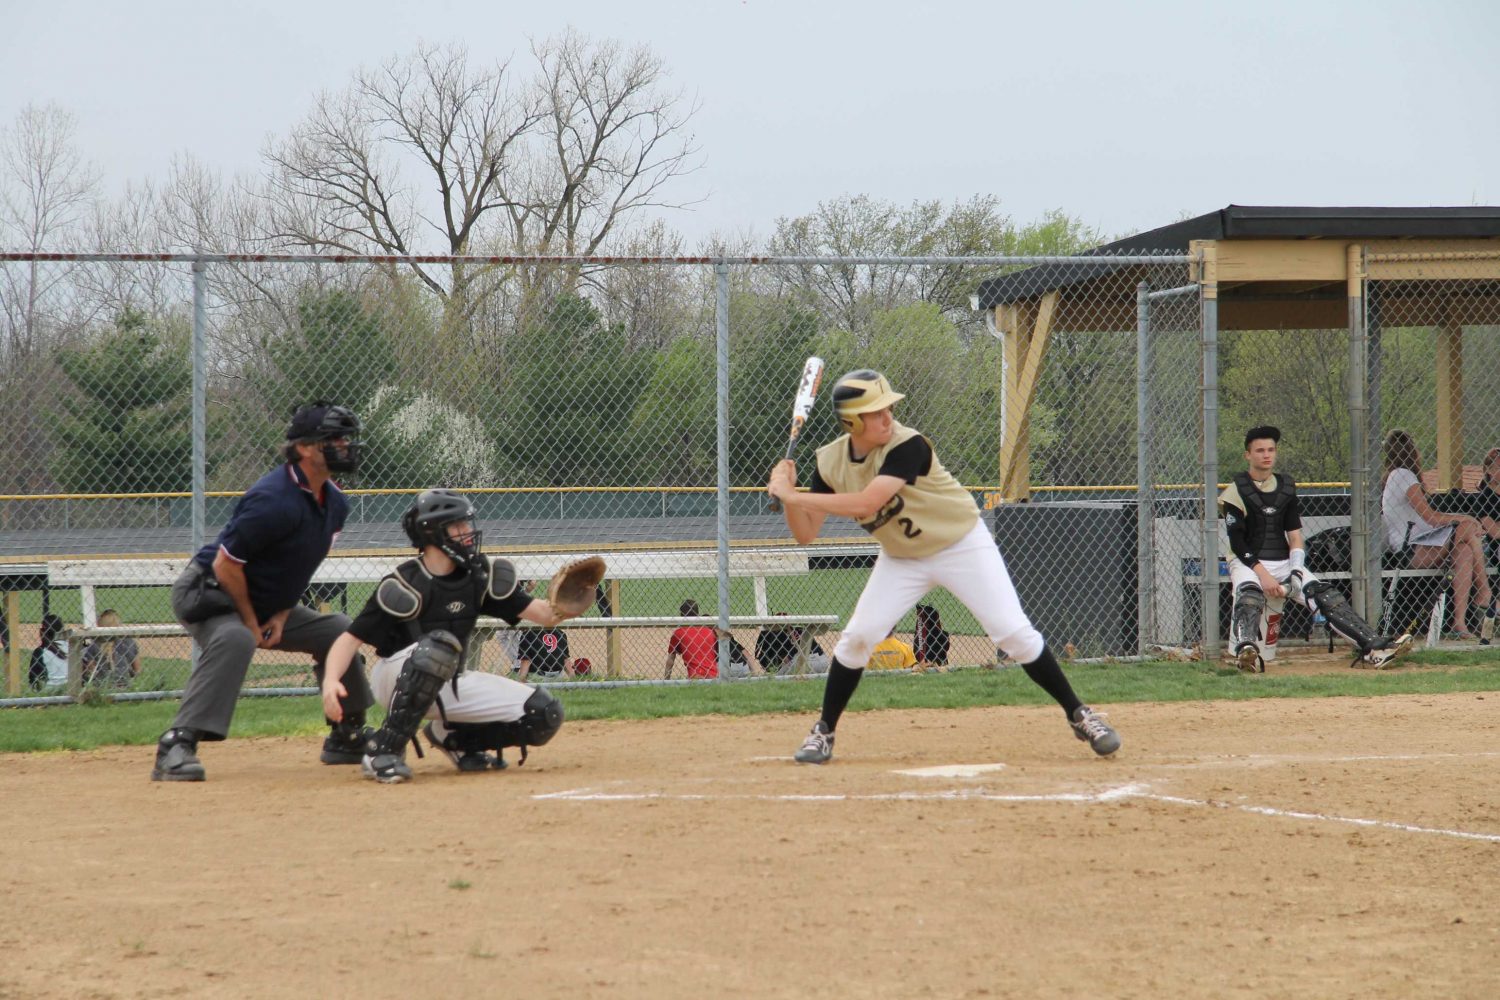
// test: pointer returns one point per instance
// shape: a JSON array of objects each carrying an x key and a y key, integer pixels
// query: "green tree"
[
  {"x": 127, "y": 428},
  {"x": 339, "y": 351},
  {"x": 769, "y": 341},
  {"x": 673, "y": 427},
  {"x": 952, "y": 386},
  {"x": 567, "y": 420}
]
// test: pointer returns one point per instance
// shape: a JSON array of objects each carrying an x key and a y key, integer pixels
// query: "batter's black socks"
[
  {"x": 842, "y": 681},
  {"x": 1048, "y": 675}
]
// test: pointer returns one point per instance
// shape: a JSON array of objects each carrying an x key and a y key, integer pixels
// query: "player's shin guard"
[
  {"x": 1325, "y": 597},
  {"x": 431, "y": 665},
  {"x": 541, "y": 718},
  {"x": 1249, "y": 606}
]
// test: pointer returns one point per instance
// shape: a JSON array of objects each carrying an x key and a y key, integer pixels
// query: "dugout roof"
[
  {"x": 1266, "y": 268},
  {"x": 1331, "y": 226}
]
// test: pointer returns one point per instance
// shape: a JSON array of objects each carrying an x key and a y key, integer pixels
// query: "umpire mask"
[{"x": 335, "y": 427}]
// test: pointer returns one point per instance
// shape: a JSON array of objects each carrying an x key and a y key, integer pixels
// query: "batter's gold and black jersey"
[{"x": 928, "y": 514}]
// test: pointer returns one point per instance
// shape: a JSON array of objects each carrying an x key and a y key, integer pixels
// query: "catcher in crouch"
[
  {"x": 419, "y": 620},
  {"x": 1263, "y": 519}
]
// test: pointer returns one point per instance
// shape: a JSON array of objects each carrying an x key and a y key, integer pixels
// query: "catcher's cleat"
[
  {"x": 345, "y": 744},
  {"x": 1247, "y": 658},
  {"x": 1089, "y": 726},
  {"x": 177, "y": 760},
  {"x": 465, "y": 760},
  {"x": 386, "y": 768},
  {"x": 1384, "y": 652},
  {"x": 818, "y": 747}
]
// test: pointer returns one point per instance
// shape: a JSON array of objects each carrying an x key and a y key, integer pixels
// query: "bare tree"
[
  {"x": 431, "y": 153},
  {"x": 46, "y": 190},
  {"x": 612, "y": 140},
  {"x": 859, "y": 226}
]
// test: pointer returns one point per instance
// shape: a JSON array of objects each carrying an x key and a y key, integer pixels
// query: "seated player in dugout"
[
  {"x": 1267, "y": 563},
  {"x": 419, "y": 620},
  {"x": 887, "y": 477}
]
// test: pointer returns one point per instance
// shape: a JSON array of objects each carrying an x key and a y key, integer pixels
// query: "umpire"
[{"x": 242, "y": 592}]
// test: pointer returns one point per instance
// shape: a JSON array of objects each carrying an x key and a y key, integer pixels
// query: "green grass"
[{"x": 79, "y": 727}]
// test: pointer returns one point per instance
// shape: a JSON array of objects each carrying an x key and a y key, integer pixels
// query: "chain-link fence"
[
  {"x": 627, "y": 407},
  {"x": 1430, "y": 437}
]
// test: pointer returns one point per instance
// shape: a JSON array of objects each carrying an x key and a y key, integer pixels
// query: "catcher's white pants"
[
  {"x": 481, "y": 697},
  {"x": 1270, "y": 618},
  {"x": 973, "y": 571}
]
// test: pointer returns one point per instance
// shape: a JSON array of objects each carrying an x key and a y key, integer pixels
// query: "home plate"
[{"x": 953, "y": 770}]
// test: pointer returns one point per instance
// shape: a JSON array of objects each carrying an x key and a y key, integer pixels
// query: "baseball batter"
[
  {"x": 1267, "y": 562},
  {"x": 419, "y": 620},
  {"x": 887, "y": 477}
]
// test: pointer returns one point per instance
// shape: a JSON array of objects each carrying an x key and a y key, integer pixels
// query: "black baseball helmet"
[
  {"x": 426, "y": 523},
  {"x": 321, "y": 420}
]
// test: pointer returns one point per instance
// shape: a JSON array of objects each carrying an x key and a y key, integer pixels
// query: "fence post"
[
  {"x": 200, "y": 379},
  {"x": 1359, "y": 448},
  {"x": 1145, "y": 507},
  {"x": 1369, "y": 557},
  {"x": 1210, "y": 541},
  {"x": 200, "y": 416},
  {"x": 721, "y": 421}
]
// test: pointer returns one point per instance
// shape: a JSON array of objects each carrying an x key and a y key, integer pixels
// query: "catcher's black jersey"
[{"x": 451, "y": 603}]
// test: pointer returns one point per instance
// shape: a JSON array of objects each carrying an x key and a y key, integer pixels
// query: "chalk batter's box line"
[{"x": 1118, "y": 793}]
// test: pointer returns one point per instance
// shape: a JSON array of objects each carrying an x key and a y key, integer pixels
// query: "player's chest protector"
[
  {"x": 1265, "y": 515},
  {"x": 447, "y": 603}
]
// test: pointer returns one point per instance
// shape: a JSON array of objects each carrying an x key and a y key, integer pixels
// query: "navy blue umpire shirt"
[{"x": 280, "y": 534}]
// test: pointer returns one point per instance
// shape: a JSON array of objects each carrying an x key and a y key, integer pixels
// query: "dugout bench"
[
  {"x": 1408, "y": 598},
  {"x": 90, "y": 574}
]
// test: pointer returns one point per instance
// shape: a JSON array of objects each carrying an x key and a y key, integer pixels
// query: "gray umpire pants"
[{"x": 227, "y": 646}]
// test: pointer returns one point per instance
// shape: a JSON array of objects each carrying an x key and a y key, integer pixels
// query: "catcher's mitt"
[{"x": 573, "y": 587}]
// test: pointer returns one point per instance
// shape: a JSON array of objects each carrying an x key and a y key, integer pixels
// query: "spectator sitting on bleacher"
[
  {"x": 930, "y": 641},
  {"x": 1488, "y": 503},
  {"x": 49, "y": 661},
  {"x": 112, "y": 662},
  {"x": 776, "y": 649},
  {"x": 892, "y": 653},
  {"x": 698, "y": 645},
  {"x": 1435, "y": 540}
]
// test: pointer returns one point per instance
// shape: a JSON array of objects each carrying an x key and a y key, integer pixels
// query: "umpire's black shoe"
[
  {"x": 346, "y": 744},
  {"x": 1089, "y": 726},
  {"x": 177, "y": 757}
]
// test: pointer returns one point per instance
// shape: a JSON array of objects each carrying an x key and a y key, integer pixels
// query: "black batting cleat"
[
  {"x": 818, "y": 747},
  {"x": 1089, "y": 726}
]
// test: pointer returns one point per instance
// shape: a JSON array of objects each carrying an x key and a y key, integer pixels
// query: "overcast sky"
[{"x": 1125, "y": 115}]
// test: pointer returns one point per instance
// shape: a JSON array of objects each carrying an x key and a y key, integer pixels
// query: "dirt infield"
[{"x": 1287, "y": 848}]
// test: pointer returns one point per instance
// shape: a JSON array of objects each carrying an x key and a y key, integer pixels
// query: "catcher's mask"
[
  {"x": 335, "y": 427},
  {"x": 426, "y": 523},
  {"x": 862, "y": 391}
]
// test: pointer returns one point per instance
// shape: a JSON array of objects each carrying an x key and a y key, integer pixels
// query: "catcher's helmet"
[
  {"x": 863, "y": 390},
  {"x": 426, "y": 523},
  {"x": 321, "y": 420}
]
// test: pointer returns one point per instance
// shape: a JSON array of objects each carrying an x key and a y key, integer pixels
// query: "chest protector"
[
  {"x": 1265, "y": 515},
  {"x": 426, "y": 603}
]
